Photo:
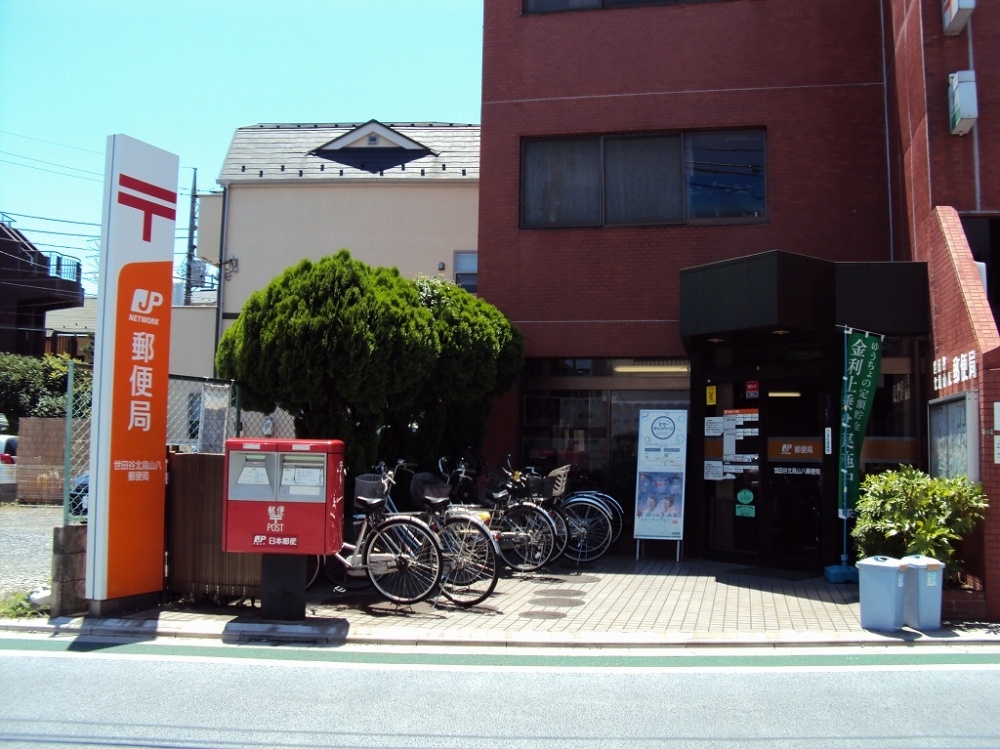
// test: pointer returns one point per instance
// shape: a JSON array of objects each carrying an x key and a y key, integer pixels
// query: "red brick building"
[{"x": 684, "y": 204}]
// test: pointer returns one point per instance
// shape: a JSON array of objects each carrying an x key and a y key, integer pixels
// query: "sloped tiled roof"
[{"x": 292, "y": 153}]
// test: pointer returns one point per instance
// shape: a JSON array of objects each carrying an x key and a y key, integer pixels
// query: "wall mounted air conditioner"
[
  {"x": 963, "y": 108},
  {"x": 956, "y": 14}
]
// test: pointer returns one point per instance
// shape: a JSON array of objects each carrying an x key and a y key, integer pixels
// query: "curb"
[{"x": 296, "y": 633}]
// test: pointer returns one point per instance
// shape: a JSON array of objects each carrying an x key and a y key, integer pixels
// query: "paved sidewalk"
[{"x": 616, "y": 602}]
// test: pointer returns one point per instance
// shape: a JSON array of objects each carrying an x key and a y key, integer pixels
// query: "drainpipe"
[{"x": 888, "y": 148}]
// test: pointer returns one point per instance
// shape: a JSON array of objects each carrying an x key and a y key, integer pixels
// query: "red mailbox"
[{"x": 284, "y": 496}]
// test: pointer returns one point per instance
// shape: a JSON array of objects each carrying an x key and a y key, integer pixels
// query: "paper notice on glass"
[
  {"x": 714, "y": 470},
  {"x": 714, "y": 426}
]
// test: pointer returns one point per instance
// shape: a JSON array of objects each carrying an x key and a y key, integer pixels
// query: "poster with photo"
[{"x": 659, "y": 492}]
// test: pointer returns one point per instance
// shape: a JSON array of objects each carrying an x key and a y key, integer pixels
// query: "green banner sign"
[{"x": 862, "y": 361}]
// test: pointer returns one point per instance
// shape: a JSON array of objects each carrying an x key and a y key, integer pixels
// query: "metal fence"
[{"x": 202, "y": 413}]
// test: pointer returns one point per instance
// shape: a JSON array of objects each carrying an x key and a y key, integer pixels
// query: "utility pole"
[{"x": 190, "y": 253}]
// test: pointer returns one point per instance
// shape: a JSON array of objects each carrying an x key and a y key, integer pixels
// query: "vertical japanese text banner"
[
  {"x": 862, "y": 362},
  {"x": 125, "y": 534},
  {"x": 659, "y": 492}
]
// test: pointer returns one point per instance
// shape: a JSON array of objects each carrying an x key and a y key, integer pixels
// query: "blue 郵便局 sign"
[{"x": 862, "y": 362}]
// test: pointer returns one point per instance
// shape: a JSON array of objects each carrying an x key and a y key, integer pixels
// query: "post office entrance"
[{"x": 768, "y": 474}]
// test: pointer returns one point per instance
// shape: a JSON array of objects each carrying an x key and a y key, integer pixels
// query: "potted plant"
[{"x": 905, "y": 511}]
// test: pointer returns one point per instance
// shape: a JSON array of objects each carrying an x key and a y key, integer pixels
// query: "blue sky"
[{"x": 184, "y": 74}]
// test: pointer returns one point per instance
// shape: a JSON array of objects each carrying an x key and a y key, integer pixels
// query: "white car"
[{"x": 8, "y": 467}]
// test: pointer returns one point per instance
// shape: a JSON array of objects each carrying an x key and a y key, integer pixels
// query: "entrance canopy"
[{"x": 783, "y": 291}]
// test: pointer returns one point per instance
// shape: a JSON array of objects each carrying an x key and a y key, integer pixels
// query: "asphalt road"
[
  {"x": 26, "y": 546},
  {"x": 74, "y": 693}
]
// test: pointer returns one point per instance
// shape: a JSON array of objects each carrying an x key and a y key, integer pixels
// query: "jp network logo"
[
  {"x": 145, "y": 301},
  {"x": 148, "y": 198}
]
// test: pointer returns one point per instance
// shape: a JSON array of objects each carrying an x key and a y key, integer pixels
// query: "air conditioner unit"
[
  {"x": 956, "y": 14},
  {"x": 963, "y": 108}
]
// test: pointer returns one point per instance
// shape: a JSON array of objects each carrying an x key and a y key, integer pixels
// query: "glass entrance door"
[
  {"x": 792, "y": 473},
  {"x": 765, "y": 475}
]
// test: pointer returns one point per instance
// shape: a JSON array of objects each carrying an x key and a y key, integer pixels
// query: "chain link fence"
[{"x": 202, "y": 414}]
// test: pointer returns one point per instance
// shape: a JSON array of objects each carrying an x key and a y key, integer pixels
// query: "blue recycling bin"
[
  {"x": 881, "y": 585},
  {"x": 922, "y": 592}
]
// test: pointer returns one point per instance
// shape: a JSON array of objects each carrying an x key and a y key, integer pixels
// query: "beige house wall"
[
  {"x": 414, "y": 227},
  {"x": 192, "y": 340}
]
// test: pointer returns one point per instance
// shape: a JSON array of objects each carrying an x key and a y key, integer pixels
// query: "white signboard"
[
  {"x": 659, "y": 493},
  {"x": 131, "y": 371}
]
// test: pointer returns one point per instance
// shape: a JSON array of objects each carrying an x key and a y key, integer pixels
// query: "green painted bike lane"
[{"x": 966, "y": 656}]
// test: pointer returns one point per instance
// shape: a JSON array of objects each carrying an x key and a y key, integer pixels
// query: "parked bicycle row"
[{"x": 453, "y": 532}]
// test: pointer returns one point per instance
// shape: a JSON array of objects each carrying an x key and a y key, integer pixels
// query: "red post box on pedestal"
[{"x": 284, "y": 496}]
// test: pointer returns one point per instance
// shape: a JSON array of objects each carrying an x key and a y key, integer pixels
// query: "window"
[
  {"x": 724, "y": 175},
  {"x": 635, "y": 180},
  {"x": 562, "y": 182},
  {"x": 467, "y": 269},
  {"x": 545, "y": 6}
]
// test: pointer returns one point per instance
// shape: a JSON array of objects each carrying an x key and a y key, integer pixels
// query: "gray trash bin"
[
  {"x": 922, "y": 592},
  {"x": 881, "y": 586}
]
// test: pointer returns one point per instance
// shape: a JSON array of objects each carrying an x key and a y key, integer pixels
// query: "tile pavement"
[{"x": 618, "y": 601}]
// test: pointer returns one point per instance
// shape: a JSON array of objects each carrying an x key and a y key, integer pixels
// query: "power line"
[
  {"x": 51, "y": 163},
  {"x": 51, "y": 143},
  {"x": 60, "y": 233},
  {"x": 88, "y": 250},
  {"x": 50, "y": 171},
  {"x": 44, "y": 218},
  {"x": 48, "y": 289}
]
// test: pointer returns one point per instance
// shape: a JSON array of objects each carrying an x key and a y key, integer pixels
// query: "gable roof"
[{"x": 352, "y": 151}]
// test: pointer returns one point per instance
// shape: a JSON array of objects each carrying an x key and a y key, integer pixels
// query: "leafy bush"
[
  {"x": 36, "y": 386},
  {"x": 908, "y": 512},
  {"x": 391, "y": 366}
]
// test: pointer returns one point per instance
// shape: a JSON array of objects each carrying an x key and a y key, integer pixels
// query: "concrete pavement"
[{"x": 616, "y": 602}]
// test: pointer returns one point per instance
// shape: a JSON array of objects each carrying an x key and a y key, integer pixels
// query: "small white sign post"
[{"x": 659, "y": 490}]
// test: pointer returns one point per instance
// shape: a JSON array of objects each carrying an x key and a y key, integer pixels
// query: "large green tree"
[
  {"x": 480, "y": 357},
  {"x": 364, "y": 355}
]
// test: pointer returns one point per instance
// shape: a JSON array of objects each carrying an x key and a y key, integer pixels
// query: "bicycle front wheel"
[
  {"x": 403, "y": 560},
  {"x": 590, "y": 530},
  {"x": 527, "y": 537},
  {"x": 471, "y": 570}
]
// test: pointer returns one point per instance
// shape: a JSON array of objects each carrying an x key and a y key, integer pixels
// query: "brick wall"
[
  {"x": 778, "y": 65},
  {"x": 962, "y": 322}
]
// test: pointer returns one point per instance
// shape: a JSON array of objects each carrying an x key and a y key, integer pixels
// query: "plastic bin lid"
[
  {"x": 881, "y": 561},
  {"x": 919, "y": 560}
]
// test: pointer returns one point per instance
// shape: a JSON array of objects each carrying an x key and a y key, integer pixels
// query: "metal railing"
[{"x": 202, "y": 413}]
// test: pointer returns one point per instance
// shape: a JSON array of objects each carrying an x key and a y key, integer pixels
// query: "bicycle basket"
[
  {"x": 541, "y": 486},
  {"x": 368, "y": 485}
]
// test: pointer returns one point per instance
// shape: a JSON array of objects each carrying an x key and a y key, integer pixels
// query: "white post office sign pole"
[{"x": 125, "y": 531}]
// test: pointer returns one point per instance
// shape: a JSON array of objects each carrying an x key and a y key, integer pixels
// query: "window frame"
[
  {"x": 526, "y": 5},
  {"x": 684, "y": 180}
]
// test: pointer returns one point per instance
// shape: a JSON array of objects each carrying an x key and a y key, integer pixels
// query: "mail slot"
[{"x": 284, "y": 496}]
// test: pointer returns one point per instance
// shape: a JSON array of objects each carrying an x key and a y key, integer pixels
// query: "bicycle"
[
  {"x": 399, "y": 554},
  {"x": 526, "y": 533},
  {"x": 587, "y": 525},
  {"x": 470, "y": 572}
]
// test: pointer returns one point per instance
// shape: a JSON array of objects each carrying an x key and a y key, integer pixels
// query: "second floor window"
[{"x": 634, "y": 180}]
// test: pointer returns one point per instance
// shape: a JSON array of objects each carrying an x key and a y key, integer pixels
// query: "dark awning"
[{"x": 784, "y": 291}]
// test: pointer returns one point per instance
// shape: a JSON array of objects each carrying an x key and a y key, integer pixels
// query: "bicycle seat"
[
  {"x": 369, "y": 505},
  {"x": 436, "y": 504}
]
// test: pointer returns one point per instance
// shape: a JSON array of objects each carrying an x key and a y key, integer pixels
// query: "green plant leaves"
[
  {"x": 907, "y": 512},
  {"x": 388, "y": 365}
]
